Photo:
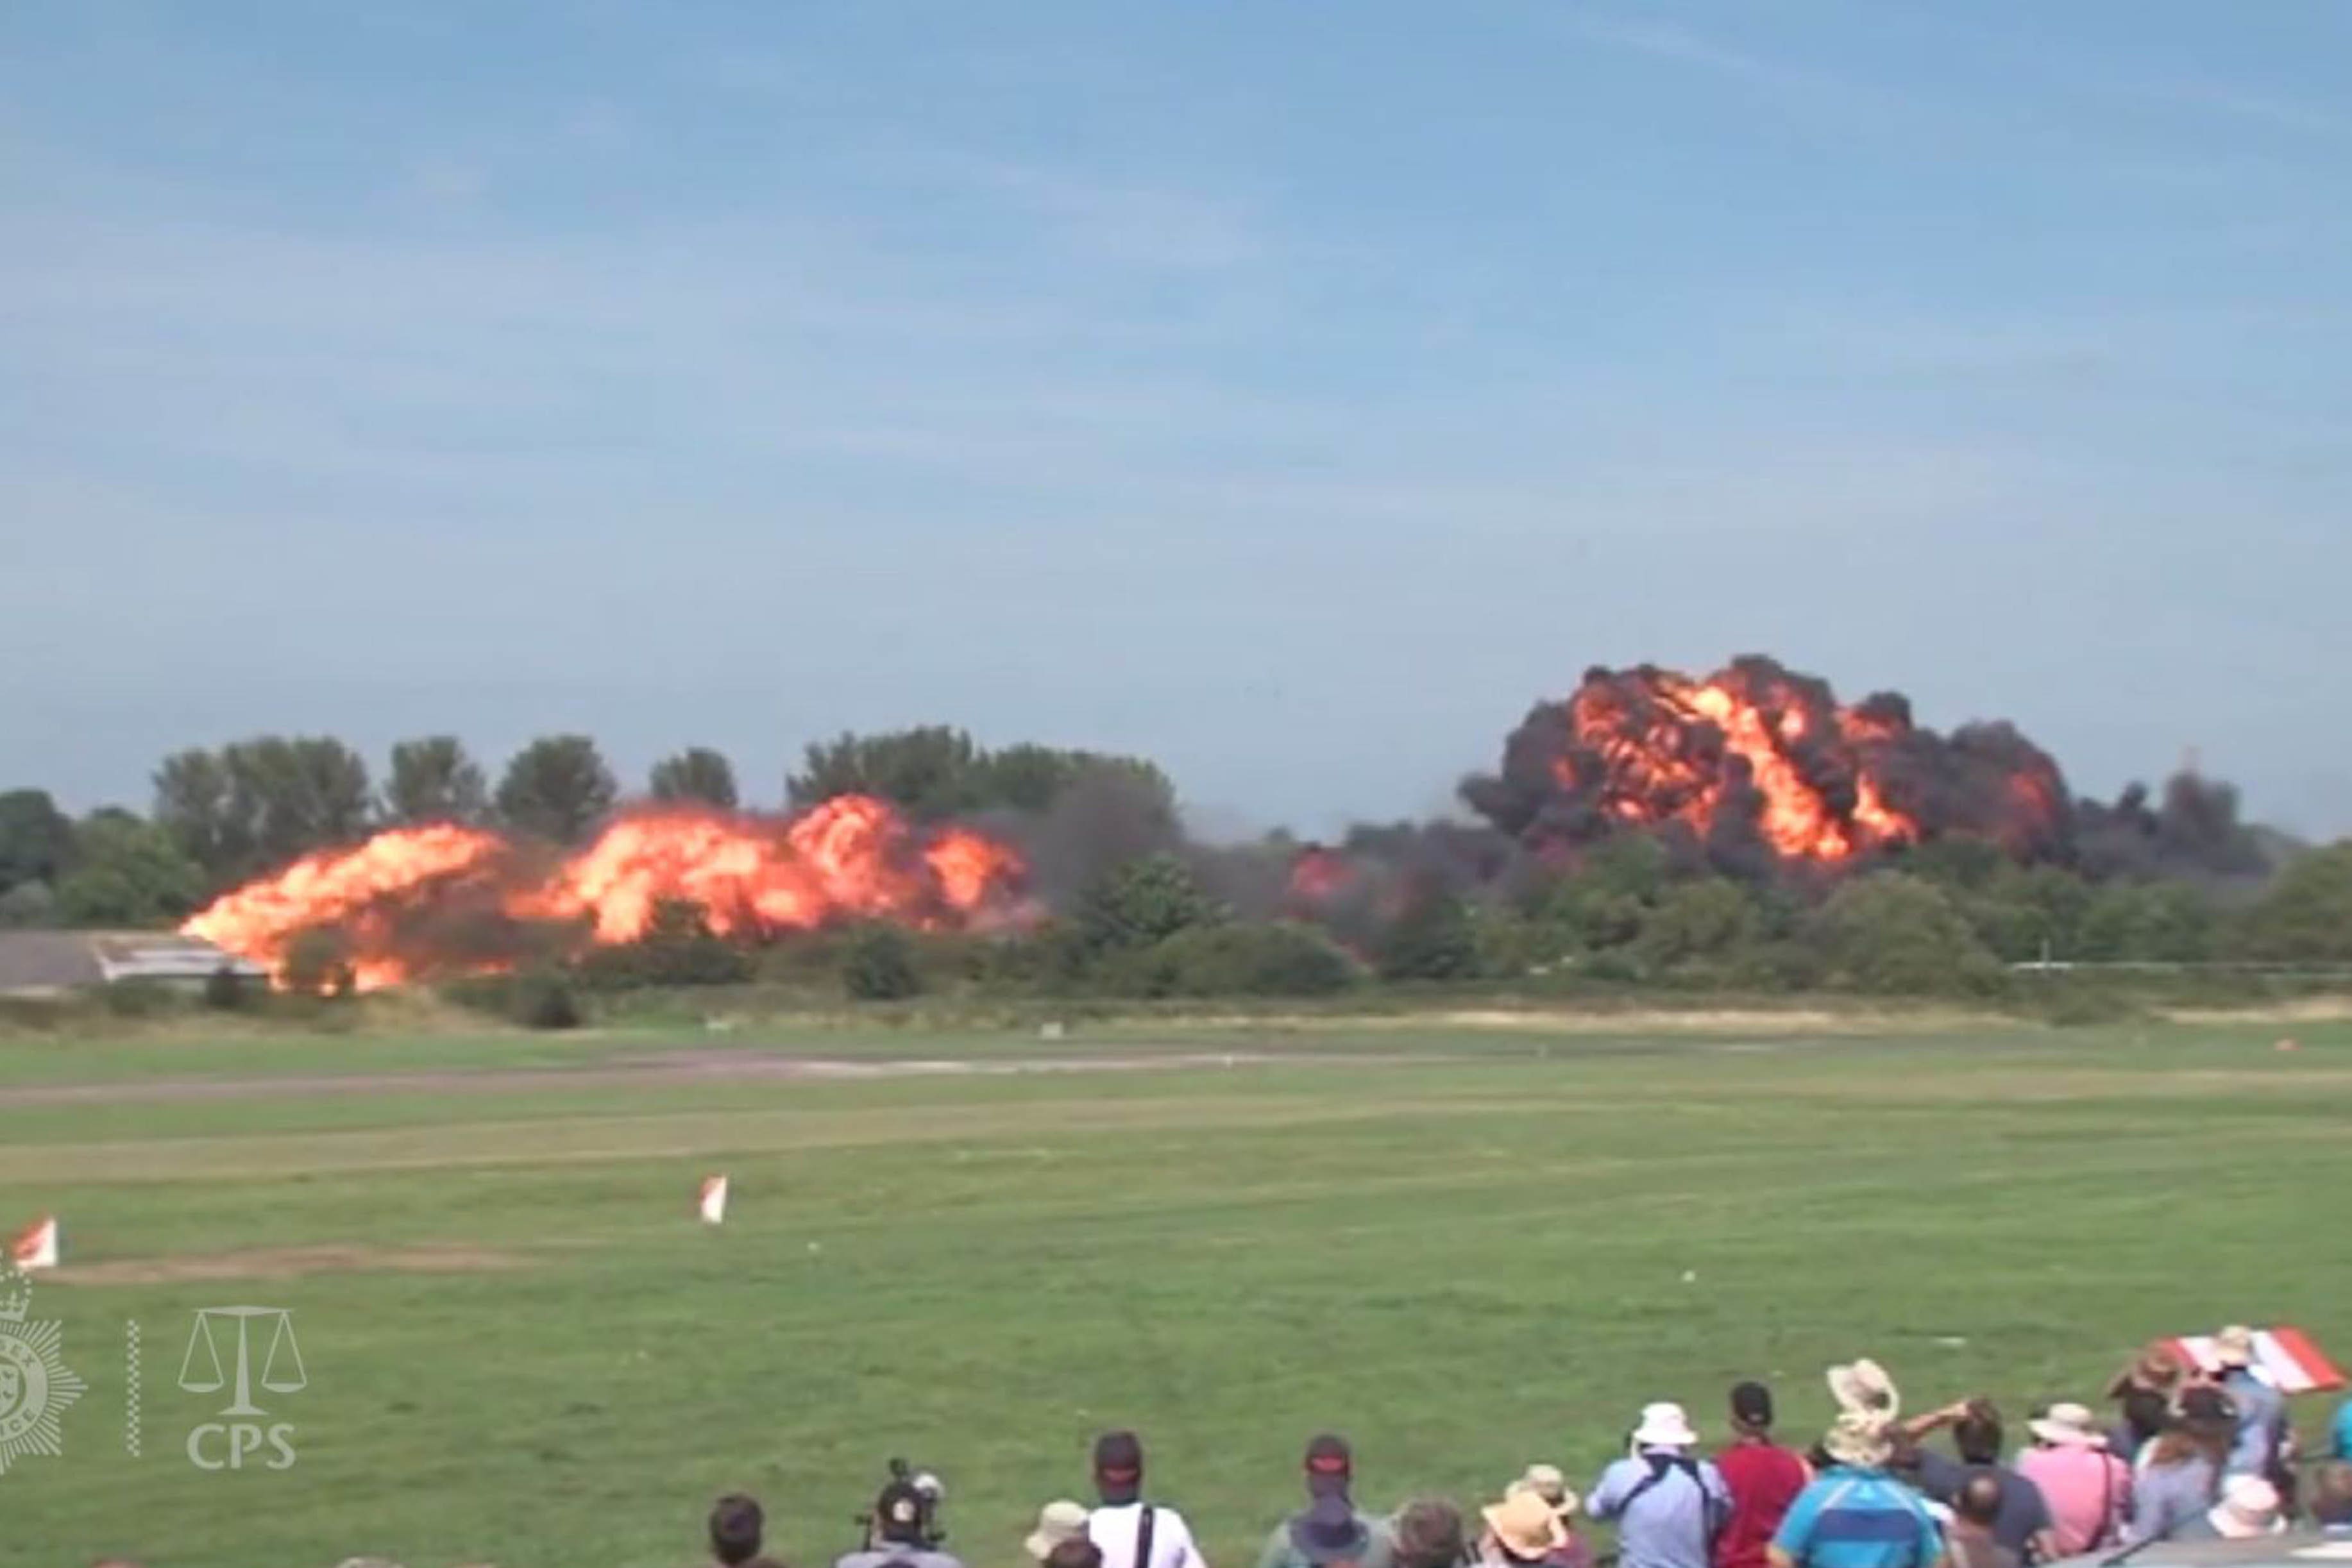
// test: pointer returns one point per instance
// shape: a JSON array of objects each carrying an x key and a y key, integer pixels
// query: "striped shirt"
[{"x": 1859, "y": 1518}]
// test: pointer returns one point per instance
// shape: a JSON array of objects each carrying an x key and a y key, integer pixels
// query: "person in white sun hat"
[
  {"x": 2089, "y": 1490},
  {"x": 2248, "y": 1509},
  {"x": 1668, "y": 1507}
]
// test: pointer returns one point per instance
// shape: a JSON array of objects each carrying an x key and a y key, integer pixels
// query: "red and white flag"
[
  {"x": 714, "y": 1200},
  {"x": 2284, "y": 1357},
  {"x": 35, "y": 1245}
]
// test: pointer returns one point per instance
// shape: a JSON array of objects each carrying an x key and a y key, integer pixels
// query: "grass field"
[{"x": 1469, "y": 1249}]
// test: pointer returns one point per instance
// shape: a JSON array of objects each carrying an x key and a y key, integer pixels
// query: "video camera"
[{"x": 925, "y": 1492}]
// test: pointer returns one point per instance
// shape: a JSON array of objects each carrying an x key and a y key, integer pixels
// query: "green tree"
[
  {"x": 1432, "y": 939},
  {"x": 678, "y": 949},
  {"x": 1031, "y": 778},
  {"x": 127, "y": 872},
  {"x": 879, "y": 966},
  {"x": 1141, "y": 901},
  {"x": 1712, "y": 920},
  {"x": 1893, "y": 933},
  {"x": 36, "y": 839},
  {"x": 929, "y": 771},
  {"x": 2169, "y": 923},
  {"x": 433, "y": 780},
  {"x": 696, "y": 774},
  {"x": 2306, "y": 916},
  {"x": 256, "y": 804},
  {"x": 557, "y": 787},
  {"x": 27, "y": 906}
]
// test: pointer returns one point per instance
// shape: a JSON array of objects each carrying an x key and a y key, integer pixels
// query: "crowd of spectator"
[{"x": 2190, "y": 1455}]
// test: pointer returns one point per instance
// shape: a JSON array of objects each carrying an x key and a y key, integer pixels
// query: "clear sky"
[{"x": 1293, "y": 392}]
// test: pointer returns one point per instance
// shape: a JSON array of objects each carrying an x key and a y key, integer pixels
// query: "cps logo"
[{"x": 247, "y": 1435}]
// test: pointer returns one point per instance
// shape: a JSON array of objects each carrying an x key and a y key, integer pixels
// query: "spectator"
[
  {"x": 1131, "y": 1533},
  {"x": 1075, "y": 1552},
  {"x": 1762, "y": 1479},
  {"x": 2339, "y": 1435},
  {"x": 2331, "y": 1498},
  {"x": 1547, "y": 1483},
  {"x": 1974, "y": 1539},
  {"x": 736, "y": 1524},
  {"x": 1668, "y": 1507},
  {"x": 2144, "y": 1392},
  {"x": 2248, "y": 1509},
  {"x": 2178, "y": 1476},
  {"x": 1057, "y": 1521},
  {"x": 2024, "y": 1526},
  {"x": 2088, "y": 1488},
  {"x": 1330, "y": 1468},
  {"x": 1854, "y": 1514},
  {"x": 1427, "y": 1533},
  {"x": 2262, "y": 1409},
  {"x": 1522, "y": 1530},
  {"x": 899, "y": 1535}
]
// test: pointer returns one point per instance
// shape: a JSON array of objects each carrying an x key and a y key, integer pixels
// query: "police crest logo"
[{"x": 36, "y": 1388}]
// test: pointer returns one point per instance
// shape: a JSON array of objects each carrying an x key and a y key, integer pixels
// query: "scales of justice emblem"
[
  {"x": 201, "y": 1371},
  {"x": 244, "y": 1430}
]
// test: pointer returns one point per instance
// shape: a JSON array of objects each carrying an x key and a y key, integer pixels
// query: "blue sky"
[{"x": 1292, "y": 393}]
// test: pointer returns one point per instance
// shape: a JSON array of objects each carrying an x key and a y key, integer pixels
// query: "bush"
[
  {"x": 1895, "y": 934},
  {"x": 28, "y": 904},
  {"x": 318, "y": 964},
  {"x": 1278, "y": 959},
  {"x": 224, "y": 989},
  {"x": 543, "y": 1000},
  {"x": 1142, "y": 902},
  {"x": 1431, "y": 940},
  {"x": 679, "y": 948},
  {"x": 137, "y": 998},
  {"x": 879, "y": 965}
]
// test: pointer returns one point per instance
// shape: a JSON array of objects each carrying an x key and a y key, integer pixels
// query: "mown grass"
[{"x": 1469, "y": 1249}]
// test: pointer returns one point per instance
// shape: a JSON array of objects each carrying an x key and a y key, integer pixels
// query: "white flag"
[
  {"x": 35, "y": 1245},
  {"x": 714, "y": 1200}
]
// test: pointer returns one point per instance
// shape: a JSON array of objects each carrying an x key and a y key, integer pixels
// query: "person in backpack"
[
  {"x": 1668, "y": 1507},
  {"x": 2088, "y": 1490},
  {"x": 1854, "y": 1515},
  {"x": 2024, "y": 1526},
  {"x": 1131, "y": 1533}
]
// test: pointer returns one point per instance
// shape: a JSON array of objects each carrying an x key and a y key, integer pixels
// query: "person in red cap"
[
  {"x": 1131, "y": 1533},
  {"x": 1330, "y": 1529}
]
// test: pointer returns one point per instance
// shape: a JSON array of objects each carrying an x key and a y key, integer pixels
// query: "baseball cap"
[
  {"x": 1329, "y": 1463},
  {"x": 1751, "y": 1403},
  {"x": 1118, "y": 1461},
  {"x": 899, "y": 1512}
]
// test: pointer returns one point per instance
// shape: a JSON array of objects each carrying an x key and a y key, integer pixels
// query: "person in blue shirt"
[
  {"x": 1668, "y": 1507},
  {"x": 2261, "y": 1409},
  {"x": 2339, "y": 1442},
  {"x": 1855, "y": 1515}
]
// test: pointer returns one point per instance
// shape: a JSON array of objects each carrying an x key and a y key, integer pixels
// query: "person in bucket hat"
[
  {"x": 1057, "y": 1521},
  {"x": 1328, "y": 1471},
  {"x": 2088, "y": 1488},
  {"x": 1854, "y": 1515},
  {"x": 1668, "y": 1506}
]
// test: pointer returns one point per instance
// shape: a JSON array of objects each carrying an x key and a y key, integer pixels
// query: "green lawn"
[{"x": 1469, "y": 1250}]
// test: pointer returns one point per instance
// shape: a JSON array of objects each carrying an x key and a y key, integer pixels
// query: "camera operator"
[{"x": 901, "y": 1532}]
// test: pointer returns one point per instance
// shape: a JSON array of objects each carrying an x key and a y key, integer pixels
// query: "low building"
[{"x": 44, "y": 962}]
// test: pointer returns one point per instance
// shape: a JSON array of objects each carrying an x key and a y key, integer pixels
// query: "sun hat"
[
  {"x": 2067, "y": 1425},
  {"x": 1859, "y": 1439},
  {"x": 1664, "y": 1426},
  {"x": 1329, "y": 1532},
  {"x": 2249, "y": 1508},
  {"x": 1862, "y": 1386},
  {"x": 1549, "y": 1483},
  {"x": 1057, "y": 1521},
  {"x": 1525, "y": 1524},
  {"x": 2234, "y": 1347},
  {"x": 2159, "y": 1367}
]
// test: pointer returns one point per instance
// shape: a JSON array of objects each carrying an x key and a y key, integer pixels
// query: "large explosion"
[
  {"x": 1763, "y": 768},
  {"x": 444, "y": 899}
]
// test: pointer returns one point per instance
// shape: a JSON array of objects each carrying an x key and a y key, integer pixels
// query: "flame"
[
  {"x": 1319, "y": 874},
  {"x": 1653, "y": 747},
  {"x": 850, "y": 858}
]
